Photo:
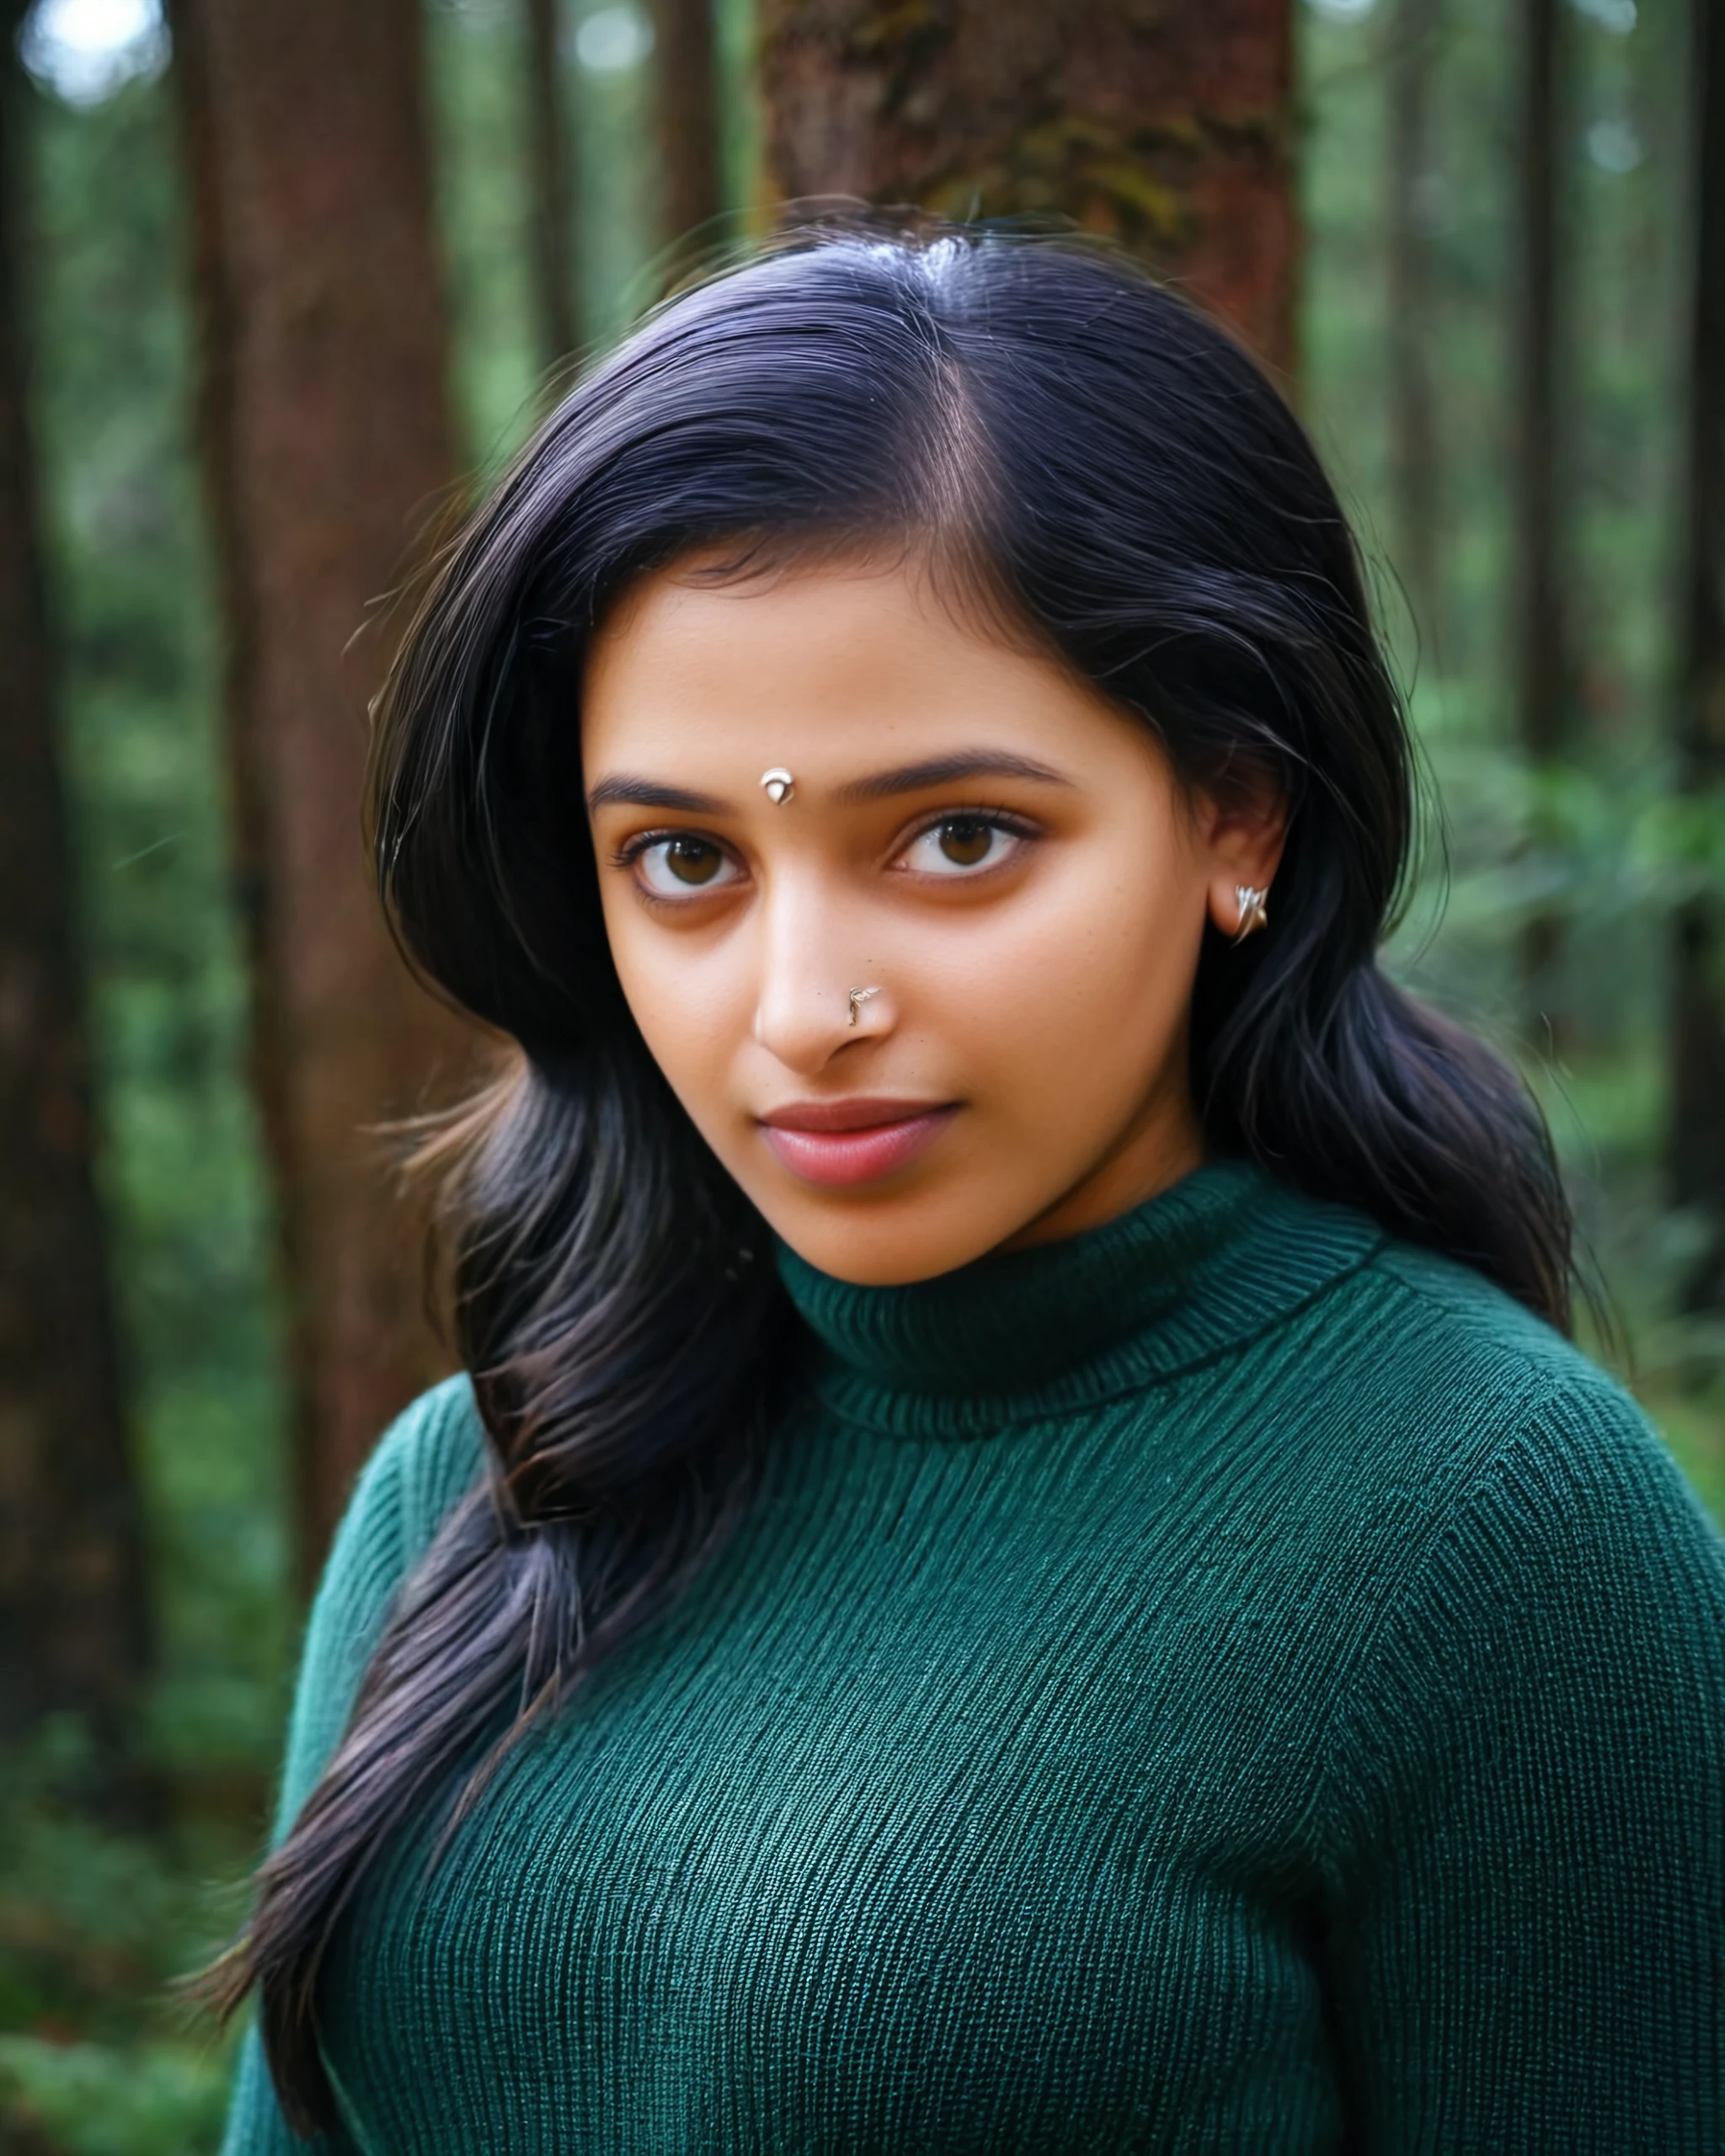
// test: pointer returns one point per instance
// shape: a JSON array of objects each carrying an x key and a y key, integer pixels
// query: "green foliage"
[
  {"x": 477, "y": 58},
  {"x": 95, "y": 2100},
  {"x": 95, "y": 1926}
]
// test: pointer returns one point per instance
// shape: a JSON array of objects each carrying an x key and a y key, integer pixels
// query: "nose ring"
[
  {"x": 781, "y": 786},
  {"x": 859, "y": 997}
]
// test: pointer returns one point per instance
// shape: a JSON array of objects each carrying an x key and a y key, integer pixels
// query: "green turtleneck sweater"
[{"x": 1224, "y": 1682}]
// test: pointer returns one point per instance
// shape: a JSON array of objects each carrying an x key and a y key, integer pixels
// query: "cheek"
[
  {"x": 679, "y": 993},
  {"x": 1075, "y": 1005}
]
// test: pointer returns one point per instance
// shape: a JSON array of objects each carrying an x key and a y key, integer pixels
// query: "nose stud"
[
  {"x": 780, "y": 785},
  {"x": 859, "y": 997}
]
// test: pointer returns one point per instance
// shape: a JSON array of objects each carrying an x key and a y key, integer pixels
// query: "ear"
[{"x": 1240, "y": 844}]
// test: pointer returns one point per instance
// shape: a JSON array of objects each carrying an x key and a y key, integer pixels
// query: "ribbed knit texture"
[{"x": 1224, "y": 1682}]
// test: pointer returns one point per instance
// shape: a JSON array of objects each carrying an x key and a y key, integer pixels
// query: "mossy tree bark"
[
  {"x": 327, "y": 441},
  {"x": 1166, "y": 124},
  {"x": 73, "y": 1611}
]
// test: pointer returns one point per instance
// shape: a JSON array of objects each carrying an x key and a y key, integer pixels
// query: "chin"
[{"x": 892, "y": 1245}]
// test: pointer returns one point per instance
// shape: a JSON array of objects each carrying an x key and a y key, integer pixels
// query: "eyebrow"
[
  {"x": 945, "y": 770},
  {"x": 625, "y": 790}
]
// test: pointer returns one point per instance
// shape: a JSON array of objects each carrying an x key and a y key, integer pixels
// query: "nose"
[{"x": 803, "y": 1012}]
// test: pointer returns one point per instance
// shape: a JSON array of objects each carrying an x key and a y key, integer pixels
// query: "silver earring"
[
  {"x": 1253, "y": 913},
  {"x": 859, "y": 997},
  {"x": 781, "y": 786}
]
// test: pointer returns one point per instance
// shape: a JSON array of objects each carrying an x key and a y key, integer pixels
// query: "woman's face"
[{"x": 992, "y": 856}]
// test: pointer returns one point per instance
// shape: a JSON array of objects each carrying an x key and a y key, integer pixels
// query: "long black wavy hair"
[{"x": 1114, "y": 472}]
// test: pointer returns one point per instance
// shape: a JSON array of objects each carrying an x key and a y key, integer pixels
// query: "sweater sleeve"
[
  {"x": 1527, "y": 1948},
  {"x": 424, "y": 1462}
]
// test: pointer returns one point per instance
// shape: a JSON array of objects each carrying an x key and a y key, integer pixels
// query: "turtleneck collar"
[{"x": 1202, "y": 1267}]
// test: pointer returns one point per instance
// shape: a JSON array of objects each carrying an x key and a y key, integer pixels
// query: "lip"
[{"x": 853, "y": 1141}]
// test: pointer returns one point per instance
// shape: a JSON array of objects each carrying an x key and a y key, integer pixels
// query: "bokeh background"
[{"x": 284, "y": 282}]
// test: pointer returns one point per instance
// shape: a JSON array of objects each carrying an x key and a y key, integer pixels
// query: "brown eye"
[
  {"x": 674, "y": 867},
  {"x": 692, "y": 861},
  {"x": 958, "y": 845},
  {"x": 965, "y": 840}
]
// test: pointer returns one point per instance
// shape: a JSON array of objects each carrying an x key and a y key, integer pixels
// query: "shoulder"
[
  {"x": 1560, "y": 1610},
  {"x": 1533, "y": 1585},
  {"x": 424, "y": 1465},
  {"x": 1412, "y": 1402},
  {"x": 1533, "y": 1459},
  {"x": 1448, "y": 1366}
]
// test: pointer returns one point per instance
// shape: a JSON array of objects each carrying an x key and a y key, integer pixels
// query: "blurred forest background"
[{"x": 285, "y": 279}]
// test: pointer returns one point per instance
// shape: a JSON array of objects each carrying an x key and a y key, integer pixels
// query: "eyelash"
[
  {"x": 994, "y": 819},
  {"x": 1001, "y": 819},
  {"x": 630, "y": 851}
]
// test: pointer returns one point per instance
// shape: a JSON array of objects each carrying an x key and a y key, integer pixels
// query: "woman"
[{"x": 1021, "y": 1562}]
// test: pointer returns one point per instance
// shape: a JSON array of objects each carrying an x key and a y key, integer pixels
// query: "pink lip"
[{"x": 851, "y": 1141}]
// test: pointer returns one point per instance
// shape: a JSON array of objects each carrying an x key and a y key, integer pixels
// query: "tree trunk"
[
  {"x": 1415, "y": 29},
  {"x": 71, "y": 1573},
  {"x": 1540, "y": 671},
  {"x": 328, "y": 439},
  {"x": 548, "y": 165},
  {"x": 1166, "y": 123},
  {"x": 1698, "y": 1058},
  {"x": 687, "y": 93}
]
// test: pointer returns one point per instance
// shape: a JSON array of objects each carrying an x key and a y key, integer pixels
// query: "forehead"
[{"x": 833, "y": 665}]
